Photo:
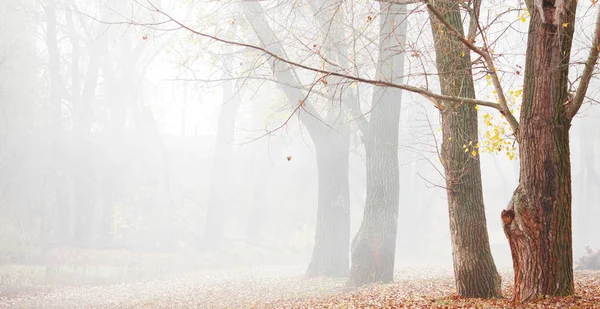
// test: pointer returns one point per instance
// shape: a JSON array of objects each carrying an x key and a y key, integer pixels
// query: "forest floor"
[{"x": 284, "y": 287}]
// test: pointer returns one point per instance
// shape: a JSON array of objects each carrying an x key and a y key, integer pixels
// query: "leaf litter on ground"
[{"x": 286, "y": 288}]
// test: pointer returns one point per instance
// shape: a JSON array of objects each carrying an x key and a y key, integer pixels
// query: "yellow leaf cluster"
[
  {"x": 523, "y": 15},
  {"x": 495, "y": 139}
]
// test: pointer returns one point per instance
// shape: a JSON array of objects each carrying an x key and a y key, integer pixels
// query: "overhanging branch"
[{"x": 380, "y": 83}]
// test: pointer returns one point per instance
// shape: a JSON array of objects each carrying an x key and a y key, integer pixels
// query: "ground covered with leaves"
[{"x": 278, "y": 287}]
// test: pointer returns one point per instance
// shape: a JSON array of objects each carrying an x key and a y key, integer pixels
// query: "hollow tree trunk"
[
  {"x": 374, "y": 246},
  {"x": 537, "y": 222},
  {"x": 332, "y": 237},
  {"x": 474, "y": 269}
]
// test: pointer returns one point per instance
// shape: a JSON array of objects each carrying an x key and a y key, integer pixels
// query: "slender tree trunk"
[
  {"x": 218, "y": 200},
  {"x": 537, "y": 222},
  {"x": 61, "y": 215},
  {"x": 373, "y": 248},
  {"x": 82, "y": 95},
  {"x": 474, "y": 269},
  {"x": 332, "y": 237}
]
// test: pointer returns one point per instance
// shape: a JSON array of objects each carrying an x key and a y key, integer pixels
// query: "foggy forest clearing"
[
  {"x": 299, "y": 153},
  {"x": 284, "y": 287}
]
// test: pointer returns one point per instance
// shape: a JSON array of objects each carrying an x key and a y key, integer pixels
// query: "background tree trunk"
[
  {"x": 374, "y": 246},
  {"x": 474, "y": 269},
  {"x": 218, "y": 203},
  {"x": 329, "y": 144},
  {"x": 59, "y": 227},
  {"x": 332, "y": 237},
  {"x": 540, "y": 233}
]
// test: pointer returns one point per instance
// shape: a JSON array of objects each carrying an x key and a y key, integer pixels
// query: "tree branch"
[
  {"x": 588, "y": 71},
  {"x": 381, "y": 83}
]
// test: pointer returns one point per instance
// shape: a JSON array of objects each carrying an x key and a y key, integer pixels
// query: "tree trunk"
[
  {"x": 538, "y": 220},
  {"x": 474, "y": 269},
  {"x": 330, "y": 231},
  {"x": 218, "y": 200},
  {"x": 332, "y": 238},
  {"x": 374, "y": 246},
  {"x": 60, "y": 213}
]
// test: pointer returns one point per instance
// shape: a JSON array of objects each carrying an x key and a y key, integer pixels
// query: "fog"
[{"x": 134, "y": 149}]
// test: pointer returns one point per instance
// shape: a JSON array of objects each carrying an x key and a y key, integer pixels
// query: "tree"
[
  {"x": 474, "y": 269},
  {"x": 218, "y": 203},
  {"x": 330, "y": 254},
  {"x": 374, "y": 247},
  {"x": 537, "y": 221}
]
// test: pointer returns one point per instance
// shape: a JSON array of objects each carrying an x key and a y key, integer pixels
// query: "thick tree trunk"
[
  {"x": 332, "y": 238},
  {"x": 538, "y": 220},
  {"x": 373, "y": 248},
  {"x": 330, "y": 231},
  {"x": 474, "y": 269}
]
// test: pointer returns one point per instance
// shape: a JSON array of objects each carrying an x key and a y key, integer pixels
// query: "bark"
[
  {"x": 331, "y": 250},
  {"x": 537, "y": 222},
  {"x": 474, "y": 269},
  {"x": 374, "y": 246}
]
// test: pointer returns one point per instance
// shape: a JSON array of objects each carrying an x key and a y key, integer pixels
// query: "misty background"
[{"x": 119, "y": 132}]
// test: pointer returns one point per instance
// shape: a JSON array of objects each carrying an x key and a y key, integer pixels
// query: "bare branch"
[
  {"x": 380, "y": 83},
  {"x": 473, "y": 18},
  {"x": 588, "y": 71}
]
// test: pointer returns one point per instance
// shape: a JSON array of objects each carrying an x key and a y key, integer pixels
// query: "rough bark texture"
[
  {"x": 332, "y": 237},
  {"x": 538, "y": 220},
  {"x": 373, "y": 248},
  {"x": 474, "y": 269}
]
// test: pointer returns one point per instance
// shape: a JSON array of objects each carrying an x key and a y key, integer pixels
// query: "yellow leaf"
[
  {"x": 565, "y": 25},
  {"x": 523, "y": 19},
  {"x": 474, "y": 153},
  {"x": 477, "y": 107}
]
